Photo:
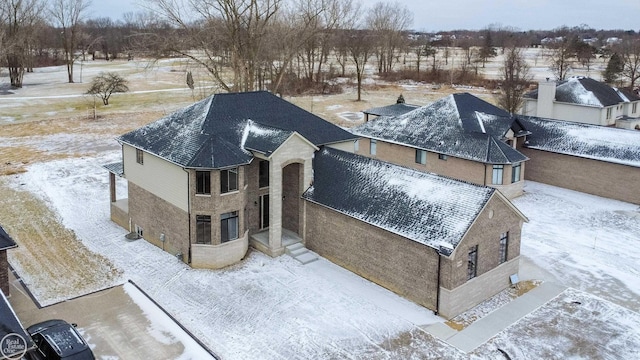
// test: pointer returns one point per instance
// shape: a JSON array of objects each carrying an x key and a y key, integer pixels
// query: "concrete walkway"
[{"x": 487, "y": 327}]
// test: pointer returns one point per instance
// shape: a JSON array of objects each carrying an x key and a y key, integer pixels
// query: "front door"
[{"x": 264, "y": 211}]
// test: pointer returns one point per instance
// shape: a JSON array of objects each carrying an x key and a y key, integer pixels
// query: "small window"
[
  {"x": 442, "y": 157},
  {"x": 228, "y": 226},
  {"x": 373, "y": 144},
  {"x": 203, "y": 182},
  {"x": 139, "y": 156},
  {"x": 497, "y": 174},
  {"x": 263, "y": 176},
  {"x": 634, "y": 108},
  {"x": 421, "y": 156},
  {"x": 472, "y": 263},
  {"x": 203, "y": 229},
  {"x": 356, "y": 146},
  {"x": 228, "y": 180},
  {"x": 515, "y": 172},
  {"x": 139, "y": 231},
  {"x": 504, "y": 244},
  {"x": 609, "y": 111}
]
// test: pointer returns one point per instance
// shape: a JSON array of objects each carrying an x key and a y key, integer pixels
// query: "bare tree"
[
  {"x": 389, "y": 21},
  {"x": 360, "y": 44},
  {"x": 106, "y": 84},
  {"x": 18, "y": 21},
  {"x": 68, "y": 15},
  {"x": 560, "y": 59},
  {"x": 515, "y": 78},
  {"x": 630, "y": 52}
]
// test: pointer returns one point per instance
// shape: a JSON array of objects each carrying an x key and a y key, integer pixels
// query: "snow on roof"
[
  {"x": 263, "y": 139},
  {"x": 433, "y": 210},
  {"x": 607, "y": 144},
  {"x": 586, "y": 91},
  {"x": 459, "y": 125},
  {"x": 211, "y": 133}
]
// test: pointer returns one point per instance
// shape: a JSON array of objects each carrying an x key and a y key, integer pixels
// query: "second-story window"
[
  {"x": 497, "y": 174},
  {"x": 263, "y": 174},
  {"x": 203, "y": 182},
  {"x": 373, "y": 145},
  {"x": 139, "y": 156},
  {"x": 421, "y": 156},
  {"x": 228, "y": 180},
  {"x": 515, "y": 172}
]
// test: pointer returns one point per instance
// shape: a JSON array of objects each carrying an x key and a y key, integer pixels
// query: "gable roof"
[
  {"x": 459, "y": 125},
  {"x": 6, "y": 242},
  {"x": 607, "y": 144},
  {"x": 430, "y": 209},
  {"x": 211, "y": 133},
  {"x": 586, "y": 91}
]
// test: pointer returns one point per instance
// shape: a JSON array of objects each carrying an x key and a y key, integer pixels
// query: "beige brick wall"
[
  {"x": 157, "y": 216},
  {"x": 219, "y": 256},
  {"x": 216, "y": 204},
  {"x": 496, "y": 218},
  {"x": 4, "y": 273},
  {"x": 595, "y": 177},
  {"x": 400, "y": 265},
  {"x": 461, "y": 169}
]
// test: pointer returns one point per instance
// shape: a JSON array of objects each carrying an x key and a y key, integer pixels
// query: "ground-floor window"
[
  {"x": 203, "y": 229},
  {"x": 373, "y": 146},
  {"x": 228, "y": 226},
  {"x": 472, "y": 263},
  {"x": 504, "y": 244},
  {"x": 421, "y": 156}
]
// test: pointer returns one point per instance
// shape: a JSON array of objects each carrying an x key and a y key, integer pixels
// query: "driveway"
[{"x": 118, "y": 323}]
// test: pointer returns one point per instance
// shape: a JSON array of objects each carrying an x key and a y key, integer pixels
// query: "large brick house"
[
  {"x": 584, "y": 100},
  {"x": 212, "y": 179},
  {"x": 460, "y": 136}
]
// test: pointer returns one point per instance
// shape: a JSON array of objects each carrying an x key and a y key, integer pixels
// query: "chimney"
[{"x": 546, "y": 97}]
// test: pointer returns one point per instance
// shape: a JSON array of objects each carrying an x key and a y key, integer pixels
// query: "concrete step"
[
  {"x": 293, "y": 247},
  {"x": 297, "y": 252},
  {"x": 306, "y": 258}
]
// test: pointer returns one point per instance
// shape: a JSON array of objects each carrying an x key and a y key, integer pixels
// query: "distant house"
[
  {"x": 460, "y": 136},
  {"x": 593, "y": 159},
  {"x": 399, "y": 108},
  {"x": 250, "y": 169},
  {"x": 584, "y": 100},
  {"x": 6, "y": 243}
]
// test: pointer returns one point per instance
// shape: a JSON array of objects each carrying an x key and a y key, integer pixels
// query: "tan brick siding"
[
  {"x": 485, "y": 233},
  {"x": 4, "y": 272},
  {"x": 401, "y": 265},
  {"x": 595, "y": 177},
  {"x": 156, "y": 217}
]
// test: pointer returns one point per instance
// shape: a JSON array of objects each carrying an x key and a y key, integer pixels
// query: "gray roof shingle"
[
  {"x": 459, "y": 125},
  {"x": 211, "y": 133},
  {"x": 6, "y": 242},
  {"x": 433, "y": 210},
  {"x": 391, "y": 110},
  {"x": 608, "y": 144}
]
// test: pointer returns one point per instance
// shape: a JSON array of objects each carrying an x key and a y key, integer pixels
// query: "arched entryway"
[{"x": 292, "y": 178}]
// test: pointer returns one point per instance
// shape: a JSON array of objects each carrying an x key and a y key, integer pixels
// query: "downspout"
[
  {"x": 188, "y": 213},
  {"x": 437, "y": 310}
]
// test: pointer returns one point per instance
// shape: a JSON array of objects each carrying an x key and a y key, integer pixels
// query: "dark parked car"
[{"x": 57, "y": 339}]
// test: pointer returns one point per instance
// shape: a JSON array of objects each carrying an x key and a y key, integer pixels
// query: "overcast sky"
[{"x": 436, "y": 15}]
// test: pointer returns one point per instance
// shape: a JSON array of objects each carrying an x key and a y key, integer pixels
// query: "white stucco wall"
[{"x": 158, "y": 176}]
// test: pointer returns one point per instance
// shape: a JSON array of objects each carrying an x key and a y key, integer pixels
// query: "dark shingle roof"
[
  {"x": 459, "y": 125},
  {"x": 6, "y": 242},
  {"x": 210, "y": 133},
  {"x": 587, "y": 91},
  {"x": 391, "y": 110},
  {"x": 433, "y": 210},
  {"x": 116, "y": 168},
  {"x": 613, "y": 145}
]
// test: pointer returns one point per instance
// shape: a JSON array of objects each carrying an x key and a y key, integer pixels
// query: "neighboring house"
[
  {"x": 6, "y": 243},
  {"x": 593, "y": 159},
  {"x": 201, "y": 180},
  {"x": 584, "y": 100},
  {"x": 206, "y": 182},
  {"x": 459, "y": 136},
  {"x": 399, "y": 108},
  {"x": 445, "y": 244}
]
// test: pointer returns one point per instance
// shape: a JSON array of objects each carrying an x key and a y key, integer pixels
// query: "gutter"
[
  {"x": 437, "y": 310},
  {"x": 188, "y": 213}
]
